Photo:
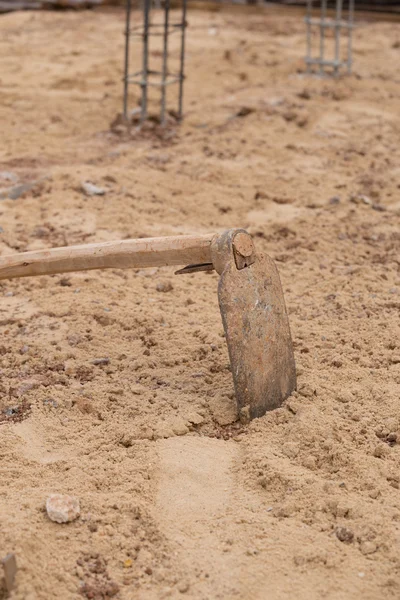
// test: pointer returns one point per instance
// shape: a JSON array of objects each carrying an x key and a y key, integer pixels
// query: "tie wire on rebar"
[
  {"x": 337, "y": 24},
  {"x": 147, "y": 77}
]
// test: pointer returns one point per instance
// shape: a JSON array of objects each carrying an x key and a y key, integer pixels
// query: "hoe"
[{"x": 249, "y": 291}]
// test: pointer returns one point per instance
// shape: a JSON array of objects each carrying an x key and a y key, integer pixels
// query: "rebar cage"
[
  {"x": 322, "y": 25},
  {"x": 147, "y": 77}
]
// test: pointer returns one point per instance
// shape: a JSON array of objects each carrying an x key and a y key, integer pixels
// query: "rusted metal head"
[{"x": 256, "y": 324}]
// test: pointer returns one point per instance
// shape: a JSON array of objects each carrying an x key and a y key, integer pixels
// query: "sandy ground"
[{"x": 178, "y": 498}]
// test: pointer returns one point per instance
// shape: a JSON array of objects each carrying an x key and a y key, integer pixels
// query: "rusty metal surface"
[{"x": 258, "y": 335}]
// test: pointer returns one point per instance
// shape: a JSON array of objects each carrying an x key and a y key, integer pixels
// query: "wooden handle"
[{"x": 124, "y": 254}]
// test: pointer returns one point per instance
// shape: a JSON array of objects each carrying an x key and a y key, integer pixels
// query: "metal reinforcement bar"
[
  {"x": 322, "y": 24},
  {"x": 147, "y": 77}
]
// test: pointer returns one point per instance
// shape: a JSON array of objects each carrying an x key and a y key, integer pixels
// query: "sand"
[{"x": 178, "y": 498}]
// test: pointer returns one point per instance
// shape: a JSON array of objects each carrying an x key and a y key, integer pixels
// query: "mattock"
[{"x": 250, "y": 298}]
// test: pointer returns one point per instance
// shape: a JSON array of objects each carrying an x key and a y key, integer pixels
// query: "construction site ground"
[{"x": 115, "y": 385}]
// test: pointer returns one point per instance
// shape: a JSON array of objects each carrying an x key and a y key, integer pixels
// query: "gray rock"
[
  {"x": 92, "y": 190},
  {"x": 15, "y": 192},
  {"x": 8, "y": 176}
]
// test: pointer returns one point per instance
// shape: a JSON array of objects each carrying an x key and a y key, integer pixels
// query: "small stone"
[
  {"x": 337, "y": 362},
  {"x": 380, "y": 451},
  {"x": 379, "y": 207},
  {"x": 334, "y": 200},
  {"x": 392, "y": 438},
  {"x": 62, "y": 508},
  {"x": 374, "y": 493},
  {"x": 368, "y": 547},
  {"x": 101, "y": 361},
  {"x": 92, "y": 190},
  {"x": 183, "y": 587},
  {"x": 344, "y": 534},
  {"x": 164, "y": 286},
  {"x": 11, "y": 411},
  {"x": 179, "y": 427}
]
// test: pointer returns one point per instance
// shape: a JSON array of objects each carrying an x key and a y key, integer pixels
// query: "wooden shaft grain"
[{"x": 123, "y": 254}]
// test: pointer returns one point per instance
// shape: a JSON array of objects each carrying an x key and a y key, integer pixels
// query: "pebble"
[
  {"x": 164, "y": 287},
  {"x": 179, "y": 427},
  {"x": 368, "y": 547},
  {"x": 183, "y": 587},
  {"x": 101, "y": 361},
  {"x": 344, "y": 534},
  {"x": 381, "y": 451},
  {"x": 92, "y": 190},
  {"x": 10, "y": 412},
  {"x": 62, "y": 508},
  {"x": 374, "y": 494}
]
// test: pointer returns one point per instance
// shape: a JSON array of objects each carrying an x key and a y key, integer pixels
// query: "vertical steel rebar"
[
  {"x": 350, "y": 36},
  {"x": 182, "y": 60},
  {"x": 145, "y": 71},
  {"x": 308, "y": 17},
  {"x": 143, "y": 77},
  {"x": 165, "y": 63},
  {"x": 126, "y": 65},
  {"x": 337, "y": 34},
  {"x": 322, "y": 36}
]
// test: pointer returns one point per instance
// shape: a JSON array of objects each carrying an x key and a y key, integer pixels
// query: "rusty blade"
[{"x": 258, "y": 335}]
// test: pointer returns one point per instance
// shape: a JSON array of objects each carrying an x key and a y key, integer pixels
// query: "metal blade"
[{"x": 258, "y": 335}]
